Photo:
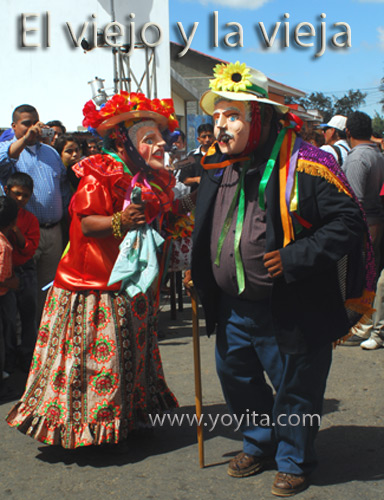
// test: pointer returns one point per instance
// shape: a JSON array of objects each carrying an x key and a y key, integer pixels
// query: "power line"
[
  {"x": 379, "y": 88},
  {"x": 347, "y": 90}
]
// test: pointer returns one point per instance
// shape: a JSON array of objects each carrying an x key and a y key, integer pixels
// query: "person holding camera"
[{"x": 51, "y": 195}]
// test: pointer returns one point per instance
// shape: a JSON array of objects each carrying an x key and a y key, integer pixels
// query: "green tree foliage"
[
  {"x": 349, "y": 102},
  {"x": 317, "y": 100},
  {"x": 378, "y": 124},
  {"x": 330, "y": 106}
]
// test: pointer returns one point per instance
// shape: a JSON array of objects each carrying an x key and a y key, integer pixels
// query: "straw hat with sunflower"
[{"x": 237, "y": 82}]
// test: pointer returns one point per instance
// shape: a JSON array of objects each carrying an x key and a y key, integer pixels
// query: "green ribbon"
[
  {"x": 117, "y": 158},
  {"x": 257, "y": 90},
  {"x": 239, "y": 197},
  {"x": 297, "y": 225},
  {"x": 239, "y": 200},
  {"x": 270, "y": 165}
]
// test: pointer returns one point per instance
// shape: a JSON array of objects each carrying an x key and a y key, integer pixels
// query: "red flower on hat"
[
  {"x": 172, "y": 123},
  {"x": 136, "y": 100},
  {"x": 125, "y": 102},
  {"x": 92, "y": 117}
]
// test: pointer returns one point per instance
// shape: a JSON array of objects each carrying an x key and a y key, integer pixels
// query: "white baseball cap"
[{"x": 338, "y": 122}]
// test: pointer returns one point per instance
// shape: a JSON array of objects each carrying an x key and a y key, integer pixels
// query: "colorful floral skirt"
[{"x": 96, "y": 372}]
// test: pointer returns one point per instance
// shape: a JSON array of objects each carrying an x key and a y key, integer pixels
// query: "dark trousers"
[
  {"x": 2, "y": 339},
  {"x": 21, "y": 303},
  {"x": 8, "y": 338},
  {"x": 25, "y": 303},
  {"x": 245, "y": 348}
]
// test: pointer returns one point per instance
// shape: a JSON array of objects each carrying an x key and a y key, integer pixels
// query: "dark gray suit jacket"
[{"x": 308, "y": 302}]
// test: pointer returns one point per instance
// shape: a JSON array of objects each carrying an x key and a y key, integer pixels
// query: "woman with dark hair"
[
  {"x": 97, "y": 372},
  {"x": 68, "y": 147}
]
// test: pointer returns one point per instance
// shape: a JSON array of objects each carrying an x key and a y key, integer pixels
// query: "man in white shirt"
[{"x": 335, "y": 138}]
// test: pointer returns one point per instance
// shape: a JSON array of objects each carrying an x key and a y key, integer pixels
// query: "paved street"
[{"x": 165, "y": 465}]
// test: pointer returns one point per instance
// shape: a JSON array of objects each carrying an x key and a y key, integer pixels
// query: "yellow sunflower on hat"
[{"x": 232, "y": 77}]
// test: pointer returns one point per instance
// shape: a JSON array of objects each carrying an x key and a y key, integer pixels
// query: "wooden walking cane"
[{"x": 197, "y": 369}]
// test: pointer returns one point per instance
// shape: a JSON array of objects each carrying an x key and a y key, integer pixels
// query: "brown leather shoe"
[
  {"x": 244, "y": 465},
  {"x": 287, "y": 485}
]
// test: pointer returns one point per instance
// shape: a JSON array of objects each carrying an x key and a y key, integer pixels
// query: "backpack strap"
[
  {"x": 344, "y": 147},
  {"x": 338, "y": 152}
]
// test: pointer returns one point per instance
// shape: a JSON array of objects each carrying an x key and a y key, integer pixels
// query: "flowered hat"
[
  {"x": 127, "y": 107},
  {"x": 237, "y": 82}
]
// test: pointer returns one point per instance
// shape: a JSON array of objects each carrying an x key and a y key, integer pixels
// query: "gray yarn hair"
[{"x": 132, "y": 131}]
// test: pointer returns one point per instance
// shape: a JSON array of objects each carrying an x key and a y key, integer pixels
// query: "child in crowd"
[
  {"x": 68, "y": 148},
  {"x": 8, "y": 281},
  {"x": 24, "y": 237}
]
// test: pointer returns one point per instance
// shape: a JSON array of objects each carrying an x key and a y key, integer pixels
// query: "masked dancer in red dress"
[{"x": 96, "y": 373}]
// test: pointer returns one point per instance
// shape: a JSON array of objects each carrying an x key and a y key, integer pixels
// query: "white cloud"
[
  {"x": 238, "y": 4},
  {"x": 380, "y": 30}
]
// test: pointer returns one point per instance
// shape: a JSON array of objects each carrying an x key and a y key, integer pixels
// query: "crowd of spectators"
[
  {"x": 37, "y": 182},
  {"x": 36, "y": 185}
]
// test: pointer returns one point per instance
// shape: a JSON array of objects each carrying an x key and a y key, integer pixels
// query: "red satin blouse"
[{"x": 89, "y": 261}]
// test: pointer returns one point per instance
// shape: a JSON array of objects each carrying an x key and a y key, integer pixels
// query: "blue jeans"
[
  {"x": 245, "y": 348},
  {"x": 300, "y": 396}
]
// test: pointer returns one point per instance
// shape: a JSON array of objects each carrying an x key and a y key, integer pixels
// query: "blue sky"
[{"x": 360, "y": 66}]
